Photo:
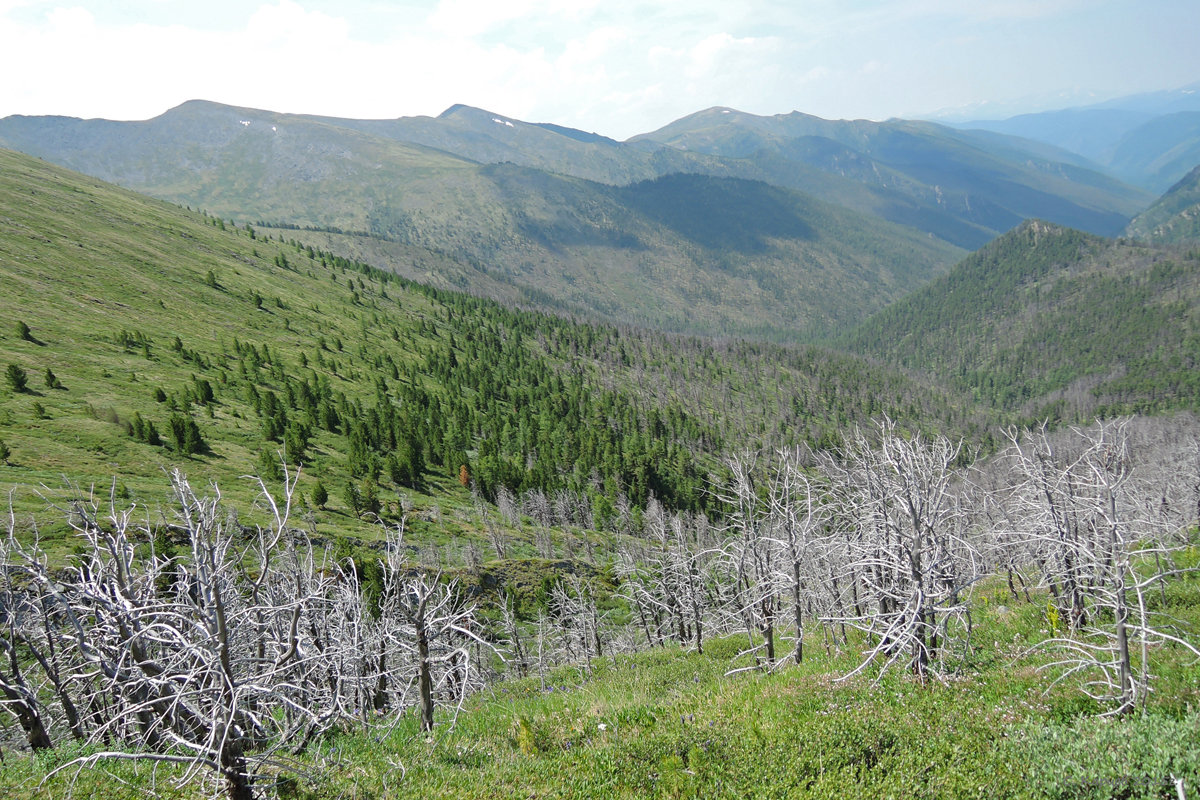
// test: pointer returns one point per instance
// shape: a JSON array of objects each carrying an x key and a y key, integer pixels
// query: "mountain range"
[
  {"x": 1150, "y": 140},
  {"x": 773, "y": 228},
  {"x": 786, "y": 227}
]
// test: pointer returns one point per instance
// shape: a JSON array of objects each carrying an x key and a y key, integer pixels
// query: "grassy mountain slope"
[
  {"x": 793, "y": 268},
  {"x": 1052, "y": 321},
  {"x": 123, "y": 312},
  {"x": 1175, "y": 217},
  {"x": 984, "y": 181}
]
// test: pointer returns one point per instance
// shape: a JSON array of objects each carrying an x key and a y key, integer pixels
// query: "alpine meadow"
[{"x": 463, "y": 456}]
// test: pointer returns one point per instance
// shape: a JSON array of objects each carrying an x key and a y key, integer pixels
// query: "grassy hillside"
[
  {"x": 1051, "y": 321},
  {"x": 139, "y": 313}
]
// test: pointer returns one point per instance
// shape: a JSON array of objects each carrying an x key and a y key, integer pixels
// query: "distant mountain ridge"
[
  {"x": 787, "y": 227},
  {"x": 797, "y": 268},
  {"x": 909, "y": 173},
  {"x": 944, "y": 176},
  {"x": 1150, "y": 140}
]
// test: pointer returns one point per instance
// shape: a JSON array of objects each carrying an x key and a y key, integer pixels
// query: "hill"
[
  {"x": 1160, "y": 152},
  {"x": 149, "y": 336},
  {"x": 1049, "y": 321},
  {"x": 753, "y": 259},
  {"x": 973, "y": 186},
  {"x": 1175, "y": 218}
]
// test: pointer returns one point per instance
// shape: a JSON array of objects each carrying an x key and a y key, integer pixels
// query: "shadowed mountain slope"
[{"x": 1049, "y": 321}]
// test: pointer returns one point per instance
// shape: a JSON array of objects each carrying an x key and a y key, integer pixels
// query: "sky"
[{"x": 616, "y": 67}]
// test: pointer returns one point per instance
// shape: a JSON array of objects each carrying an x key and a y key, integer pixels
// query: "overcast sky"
[{"x": 617, "y": 67}]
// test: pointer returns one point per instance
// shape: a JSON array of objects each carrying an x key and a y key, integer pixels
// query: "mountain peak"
[{"x": 463, "y": 110}]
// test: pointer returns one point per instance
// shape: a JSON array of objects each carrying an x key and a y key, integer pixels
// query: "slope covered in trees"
[
  {"x": 1175, "y": 217},
  {"x": 1049, "y": 321},
  {"x": 148, "y": 335}
]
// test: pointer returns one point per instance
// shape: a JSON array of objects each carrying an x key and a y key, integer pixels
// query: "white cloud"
[
  {"x": 470, "y": 18},
  {"x": 288, "y": 24}
]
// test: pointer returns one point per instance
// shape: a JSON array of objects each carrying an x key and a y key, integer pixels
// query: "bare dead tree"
[
  {"x": 574, "y": 600},
  {"x": 754, "y": 557},
  {"x": 427, "y": 621},
  {"x": 19, "y": 615},
  {"x": 496, "y": 536},
  {"x": 1107, "y": 540},
  {"x": 797, "y": 510},
  {"x": 907, "y": 545},
  {"x": 196, "y": 660}
]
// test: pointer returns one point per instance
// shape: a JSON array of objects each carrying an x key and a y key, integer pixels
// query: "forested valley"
[{"x": 281, "y": 523}]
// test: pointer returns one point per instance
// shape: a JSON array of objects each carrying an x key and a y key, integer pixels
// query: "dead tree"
[
  {"x": 797, "y": 511},
  {"x": 907, "y": 543},
  {"x": 754, "y": 556},
  {"x": 1109, "y": 540},
  {"x": 196, "y": 660},
  {"x": 430, "y": 628},
  {"x": 664, "y": 574},
  {"x": 20, "y": 617}
]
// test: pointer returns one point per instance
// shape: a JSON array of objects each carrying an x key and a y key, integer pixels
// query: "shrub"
[
  {"x": 186, "y": 435},
  {"x": 320, "y": 495},
  {"x": 17, "y": 379},
  {"x": 268, "y": 466}
]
